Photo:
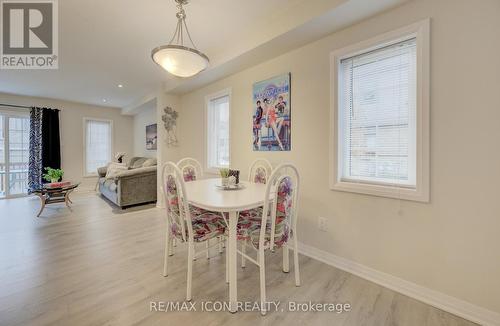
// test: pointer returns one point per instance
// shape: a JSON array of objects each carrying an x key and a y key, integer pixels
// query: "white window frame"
[
  {"x": 421, "y": 193},
  {"x": 85, "y": 119},
  {"x": 208, "y": 98},
  {"x": 17, "y": 113}
]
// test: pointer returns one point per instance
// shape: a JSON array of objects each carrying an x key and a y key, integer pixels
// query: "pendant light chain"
[
  {"x": 179, "y": 29},
  {"x": 175, "y": 34},
  {"x": 189, "y": 35}
]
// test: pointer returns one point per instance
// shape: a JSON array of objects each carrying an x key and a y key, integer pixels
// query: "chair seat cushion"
[
  {"x": 254, "y": 214},
  {"x": 206, "y": 225},
  {"x": 249, "y": 229}
]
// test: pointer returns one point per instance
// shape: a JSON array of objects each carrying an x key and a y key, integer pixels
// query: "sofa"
[{"x": 133, "y": 186}]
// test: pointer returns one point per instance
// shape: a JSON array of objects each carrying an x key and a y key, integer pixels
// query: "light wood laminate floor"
[{"x": 102, "y": 266}]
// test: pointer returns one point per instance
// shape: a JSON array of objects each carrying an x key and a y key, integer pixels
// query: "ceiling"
[{"x": 106, "y": 43}]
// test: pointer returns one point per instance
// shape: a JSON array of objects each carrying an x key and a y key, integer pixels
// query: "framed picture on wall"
[
  {"x": 151, "y": 137},
  {"x": 272, "y": 124}
]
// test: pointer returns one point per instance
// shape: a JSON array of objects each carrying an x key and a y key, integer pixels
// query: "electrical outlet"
[{"x": 322, "y": 224}]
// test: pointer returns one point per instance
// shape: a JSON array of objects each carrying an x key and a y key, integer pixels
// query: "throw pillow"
[
  {"x": 149, "y": 162},
  {"x": 115, "y": 168},
  {"x": 137, "y": 162}
]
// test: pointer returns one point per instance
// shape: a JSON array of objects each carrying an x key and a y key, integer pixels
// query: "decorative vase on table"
[
  {"x": 236, "y": 175},
  {"x": 224, "y": 174}
]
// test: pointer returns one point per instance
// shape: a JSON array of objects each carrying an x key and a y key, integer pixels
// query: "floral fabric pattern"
[
  {"x": 250, "y": 230},
  {"x": 254, "y": 214},
  {"x": 250, "y": 222},
  {"x": 173, "y": 203},
  {"x": 284, "y": 209},
  {"x": 206, "y": 224},
  {"x": 260, "y": 176},
  {"x": 189, "y": 174}
]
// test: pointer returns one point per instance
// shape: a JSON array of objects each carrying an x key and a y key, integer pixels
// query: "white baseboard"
[{"x": 434, "y": 298}]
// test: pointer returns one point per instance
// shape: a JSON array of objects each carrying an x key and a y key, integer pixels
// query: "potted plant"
[
  {"x": 53, "y": 175},
  {"x": 224, "y": 174}
]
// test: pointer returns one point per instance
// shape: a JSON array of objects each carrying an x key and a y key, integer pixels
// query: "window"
[
  {"x": 380, "y": 118},
  {"x": 217, "y": 119},
  {"x": 98, "y": 144},
  {"x": 14, "y": 153}
]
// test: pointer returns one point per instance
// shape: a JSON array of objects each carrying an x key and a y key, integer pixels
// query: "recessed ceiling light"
[
  {"x": 120, "y": 86},
  {"x": 104, "y": 100}
]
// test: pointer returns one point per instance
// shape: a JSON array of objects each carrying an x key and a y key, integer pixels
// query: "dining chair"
[
  {"x": 190, "y": 168},
  {"x": 277, "y": 226},
  {"x": 259, "y": 172},
  {"x": 185, "y": 222}
]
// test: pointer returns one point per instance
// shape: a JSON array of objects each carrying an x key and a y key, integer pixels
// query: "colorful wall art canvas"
[
  {"x": 272, "y": 114},
  {"x": 151, "y": 137}
]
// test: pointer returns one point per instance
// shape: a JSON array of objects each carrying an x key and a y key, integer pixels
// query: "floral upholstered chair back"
[
  {"x": 173, "y": 190},
  {"x": 284, "y": 183},
  {"x": 190, "y": 168},
  {"x": 260, "y": 171}
]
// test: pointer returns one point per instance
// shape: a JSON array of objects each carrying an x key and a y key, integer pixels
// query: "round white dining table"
[{"x": 205, "y": 194}]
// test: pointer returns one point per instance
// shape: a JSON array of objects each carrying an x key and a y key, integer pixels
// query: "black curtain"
[
  {"x": 51, "y": 144},
  {"x": 45, "y": 145}
]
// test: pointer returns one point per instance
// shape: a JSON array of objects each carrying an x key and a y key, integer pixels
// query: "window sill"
[{"x": 382, "y": 191}]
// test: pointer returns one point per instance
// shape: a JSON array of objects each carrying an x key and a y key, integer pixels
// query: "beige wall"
[
  {"x": 142, "y": 119},
  {"x": 71, "y": 128},
  {"x": 450, "y": 245},
  {"x": 166, "y": 153}
]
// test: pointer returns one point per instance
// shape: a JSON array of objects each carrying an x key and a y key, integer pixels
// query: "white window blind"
[
  {"x": 218, "y": 132},
  {"x": 97, "y": 144},
  {"x": 377, "y": 116}
]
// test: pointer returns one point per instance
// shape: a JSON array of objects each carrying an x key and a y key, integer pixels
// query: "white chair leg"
[
  {"x": 227, "y": 265},
  {"x": 262, "y": 270},
  {"x": 243, "y": 250},
  {"x": 175, "y": 242},
  {"x": 167, "y": 252},
  {"x": 190, "y": 271},
  {"x": 207, "y": 245},
  {"x": 286, "y": 259},
  {"x": 171, "y": 246},
  {"x": 296, "y": 261},
  {"x": 221, "y": 241}
]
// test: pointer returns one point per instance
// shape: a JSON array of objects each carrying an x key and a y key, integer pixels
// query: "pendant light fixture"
[{"x": 177, "y": 58}]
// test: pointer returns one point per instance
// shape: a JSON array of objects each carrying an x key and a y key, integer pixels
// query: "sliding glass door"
[{"x": 14, "y": 154}]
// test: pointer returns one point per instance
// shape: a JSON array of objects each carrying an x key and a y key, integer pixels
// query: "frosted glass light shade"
[{"x": 179, "y": 60}]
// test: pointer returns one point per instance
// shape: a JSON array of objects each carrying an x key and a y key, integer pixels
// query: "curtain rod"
[{"x": 15, "y": 106}]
